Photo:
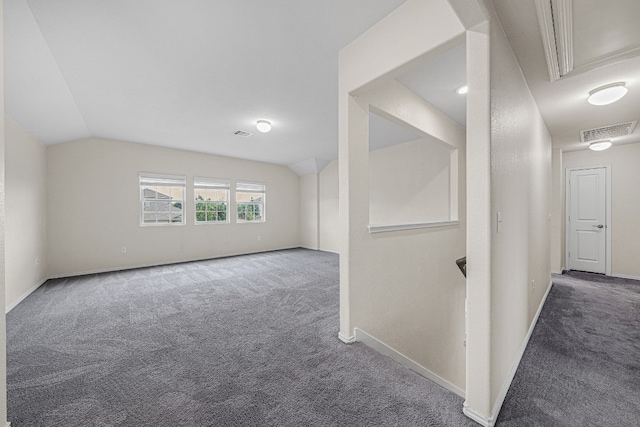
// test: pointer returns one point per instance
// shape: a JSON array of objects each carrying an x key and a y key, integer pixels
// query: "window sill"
[
  {"x": 399, "y": 227},
  {"x": 210, "y": 222}
]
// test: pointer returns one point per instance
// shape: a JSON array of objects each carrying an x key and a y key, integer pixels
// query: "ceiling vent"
[
  {"x": 607, "y": 132},
  {"x": 242, "y": 133}
]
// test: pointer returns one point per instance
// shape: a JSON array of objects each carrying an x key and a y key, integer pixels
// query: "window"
[
  {"x": 250, "y": 197},
  {"x": 212, "y": 200},
  {"x": 161, "y": 199}
]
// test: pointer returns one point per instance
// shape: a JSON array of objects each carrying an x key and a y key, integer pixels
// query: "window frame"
[
  {"x": 156, "y": 180},
  {"x": 253, "y": 188},
  {"x": 213, "y": 184}
]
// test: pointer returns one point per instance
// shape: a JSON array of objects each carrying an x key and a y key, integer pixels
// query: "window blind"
[
  {"x": 211, "y": 183},
  {"x": 251, "y": 187},
  {"x": 152, "y": 179}
]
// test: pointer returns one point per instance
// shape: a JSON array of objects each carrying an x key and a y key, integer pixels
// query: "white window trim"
[
  {"x": 179, "y": 181},
  {"x": 211, "y": 183},
  {"x": 252, "y": 187}
]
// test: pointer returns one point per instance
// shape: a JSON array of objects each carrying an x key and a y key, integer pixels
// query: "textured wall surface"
[
  {"x": 309, "y": 220},
  {"x": 3, "y": 329},
  {"x": 329, "y": 213},
  {"x": 26, "y": 212},
  {"x": 94, "y": 207},
  {"x": 403, "y": 288},
  {"x": 409, "y": 183},
  {"x": 521, "y": 192}
]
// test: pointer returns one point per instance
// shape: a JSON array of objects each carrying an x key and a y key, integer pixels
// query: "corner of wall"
[{"x": 26, "y": 213}]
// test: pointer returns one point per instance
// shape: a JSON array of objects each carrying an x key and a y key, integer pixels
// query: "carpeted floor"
[
  {"x": 252, "y": 341},
  {"x": 241, "y": 341},
  {"x": 582, "y": 364}
]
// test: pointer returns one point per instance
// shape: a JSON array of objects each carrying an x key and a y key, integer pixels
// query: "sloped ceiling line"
[{"x": 64, "y": 80}]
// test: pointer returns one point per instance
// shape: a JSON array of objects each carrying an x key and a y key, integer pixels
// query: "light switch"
[{"x": 498, "y": 221}]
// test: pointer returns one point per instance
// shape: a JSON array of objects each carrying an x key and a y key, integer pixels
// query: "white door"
[{"x": 587, "y": 220}]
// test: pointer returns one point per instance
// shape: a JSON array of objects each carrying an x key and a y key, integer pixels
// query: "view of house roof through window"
[{"x": 162, "y": 199}]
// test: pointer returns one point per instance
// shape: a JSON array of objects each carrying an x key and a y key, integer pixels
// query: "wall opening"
[{"x": 409, "y": 176}]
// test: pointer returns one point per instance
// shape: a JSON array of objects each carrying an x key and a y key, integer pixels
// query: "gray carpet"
[
  {"x": 241, "y": 341},
  {"x": 582, "y": 364}
]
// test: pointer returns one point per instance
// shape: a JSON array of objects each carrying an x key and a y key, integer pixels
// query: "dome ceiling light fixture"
[
  {"x": 462, "y": 90},
  {"x": 607, "y": 94},
  {"x": 263, "y": 126},
  {"x": 600, "y": 145}
]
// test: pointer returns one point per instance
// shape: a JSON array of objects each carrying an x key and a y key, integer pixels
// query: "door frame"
[{"x": 567, "y": 210}]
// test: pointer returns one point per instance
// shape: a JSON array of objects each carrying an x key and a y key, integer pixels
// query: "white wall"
[
  {"x": 94, "y": 207},
  {"x": 403, "y": 287},
  {"x": 309, "y": 221},
  {"x": 625, "y": 202},
  {"x": 556, "y": 251},
  {"x": 521, "y": 192},
  {"x": 3, "y": 328},
  {"x": 509, "y": 152},
  {"x": 409, "y": 183},
  {"x": 26, "y": 208},
  {"x": 407, "y": 291},
  {"x": 329, "y": 220}
]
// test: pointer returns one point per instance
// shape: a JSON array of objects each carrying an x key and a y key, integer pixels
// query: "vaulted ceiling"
[
  {"x": 188, "y": 74},
  {"x": 184, "y": 74}
]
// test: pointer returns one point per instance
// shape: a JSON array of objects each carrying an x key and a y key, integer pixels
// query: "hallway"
[{"x": 581, "y": 366}]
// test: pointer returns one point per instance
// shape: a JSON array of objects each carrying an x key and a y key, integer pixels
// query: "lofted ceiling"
[
  {"x": 188, "y": 74},
  {"x": 184, "y": 74},
  {"x": 590, "y": 43}
]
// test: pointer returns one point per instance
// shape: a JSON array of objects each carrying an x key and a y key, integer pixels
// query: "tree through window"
[
  {"x": 211, "y": 200},
  {"x": 250, "y": 201}
]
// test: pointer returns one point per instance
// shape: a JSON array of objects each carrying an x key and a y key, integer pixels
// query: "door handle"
[{"x": 599, "y": 226}]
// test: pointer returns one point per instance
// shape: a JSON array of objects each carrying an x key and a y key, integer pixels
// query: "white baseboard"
[
  {"x": 505, "y": 387},
  {"x": 314, "y": 248},
  {"x": 556, "y": 272},
  {"x": 109, "y": 270},
  {"x": 158, "y": 264},
  {"x": 26, "y": 294},
  {"x": 476, "y": 416},
  {"x": 490, "y": 422},
  {"x": 624, "y": 276},
  {"x": 382, "y": 348},
  {"x": 346, "y": 340},
  {"x": 329, "y": 250}
]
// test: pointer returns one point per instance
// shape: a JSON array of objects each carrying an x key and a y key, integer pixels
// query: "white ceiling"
[
  {"x": 604, "y": 28},
  {"x": 187, "y": 74},
  {"x": 606, "y": 38},
  {"x": 437, "y": 79},
  {"x": 184, "y": 74},
  {"x": 385, "y": 133}
]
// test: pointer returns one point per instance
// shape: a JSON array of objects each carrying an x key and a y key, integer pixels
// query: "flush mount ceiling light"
[
  {"x": 462, "y": 90},
  {"x": 263, "y": 126},
  {"x": 607, "y": 94},
  {"x": 600, "y": 145}
]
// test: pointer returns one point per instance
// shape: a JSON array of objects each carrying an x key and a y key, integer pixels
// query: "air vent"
[
  {"x": 242, "y": 133},
  {"x": 607, "y": 132}
]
